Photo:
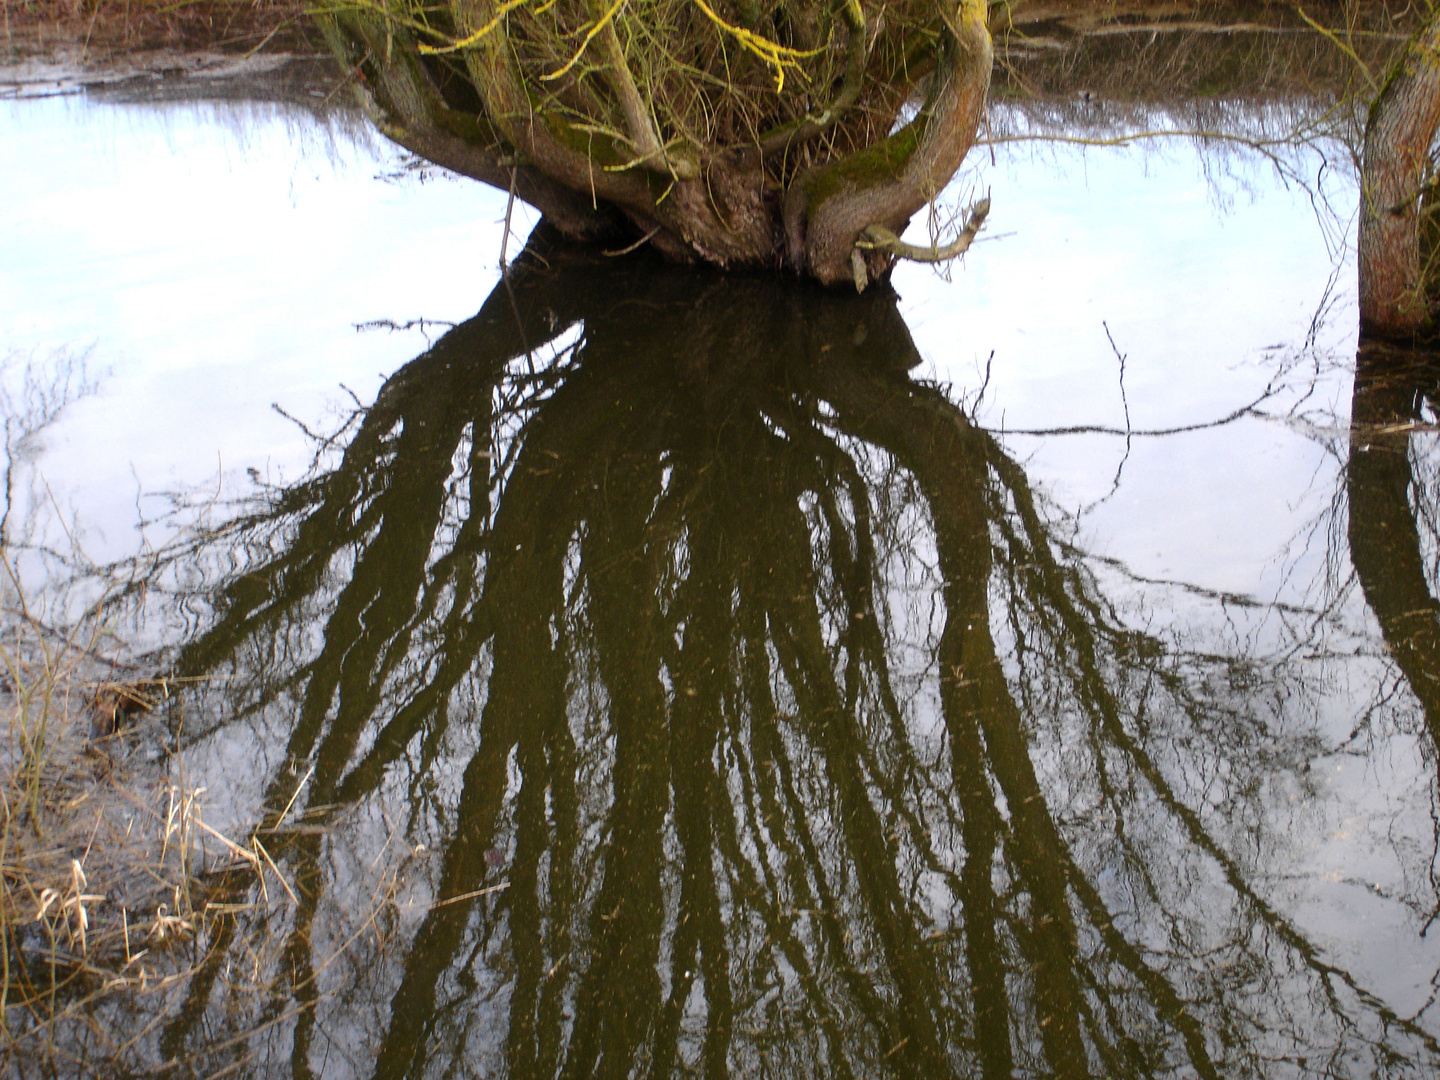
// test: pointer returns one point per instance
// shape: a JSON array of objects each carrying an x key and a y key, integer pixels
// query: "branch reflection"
[{"x": 723, "y": 702}]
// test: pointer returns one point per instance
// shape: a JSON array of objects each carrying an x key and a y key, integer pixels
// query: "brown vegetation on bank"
[
  {"x": 107, "y": 29},
  {"x": 112, "y": 883},
  {"x": 1162, "y": 52}
]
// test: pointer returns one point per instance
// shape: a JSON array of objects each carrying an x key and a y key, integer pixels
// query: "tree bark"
[
  {"x": 406, "y": 107},
  {"x": 1395, "y": 167}
]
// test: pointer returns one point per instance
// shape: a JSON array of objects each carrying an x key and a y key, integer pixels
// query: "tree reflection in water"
[
  {"x": 1394, "y": 497},
  {"x": 676, "y": 686}
]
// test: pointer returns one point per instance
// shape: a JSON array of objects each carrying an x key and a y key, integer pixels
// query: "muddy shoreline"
[
  {"x": 167, "y": 75},
  {"x": 149, "y": 52}
]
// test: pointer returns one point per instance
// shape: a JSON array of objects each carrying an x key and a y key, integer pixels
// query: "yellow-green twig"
[
  {"x": 776, "y": 55},
  {"x": 600, "y": 25},
  {"x": 465, "y": 43}
]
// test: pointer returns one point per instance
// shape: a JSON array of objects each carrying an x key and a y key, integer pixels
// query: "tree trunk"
[{"x": 1395, "y": 167}]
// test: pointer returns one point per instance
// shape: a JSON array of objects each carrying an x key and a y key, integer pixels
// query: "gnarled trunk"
[{"x": 670, "y": 122}]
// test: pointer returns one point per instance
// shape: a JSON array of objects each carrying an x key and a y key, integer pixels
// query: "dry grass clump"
[{"x": 109, "y": 872}]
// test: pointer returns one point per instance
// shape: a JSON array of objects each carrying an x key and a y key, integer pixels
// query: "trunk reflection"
[
  {"x": 756, "y": 720},
  {"x": 1396, "y": 393}
]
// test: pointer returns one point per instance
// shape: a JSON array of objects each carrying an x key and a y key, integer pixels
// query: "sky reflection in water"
[{"x": 809, "y": 721}]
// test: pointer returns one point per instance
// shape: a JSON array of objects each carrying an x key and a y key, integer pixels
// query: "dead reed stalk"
[{"x": 107, "y": 864}]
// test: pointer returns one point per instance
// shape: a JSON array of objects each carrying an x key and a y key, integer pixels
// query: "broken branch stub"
[{"x": 879, "y": 238}]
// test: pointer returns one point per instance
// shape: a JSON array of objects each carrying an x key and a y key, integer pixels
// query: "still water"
[{"x": 643, "y": 672}]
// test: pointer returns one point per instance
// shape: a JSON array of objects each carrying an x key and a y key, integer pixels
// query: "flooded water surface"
[{"x": 634, "y": 671}]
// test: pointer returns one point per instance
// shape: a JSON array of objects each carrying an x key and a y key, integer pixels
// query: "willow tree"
[{"x": 800, "y": 135}]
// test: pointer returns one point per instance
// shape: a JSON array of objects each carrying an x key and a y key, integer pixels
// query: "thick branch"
[
  {"x": 573, "y": 157},
  {"x": 808, "y": 127},
  {"x": 639, "y": 124},
  {"x": 879, "y": 238},
  {"x": 828, "y": 209},
  {"x": 408, "y": 110},
  {"x": 717, "y": 218},
  {"x": 568, "y": 210}
]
